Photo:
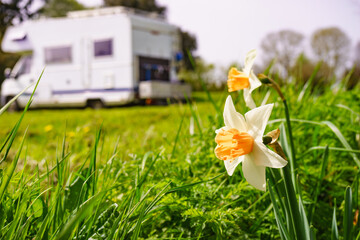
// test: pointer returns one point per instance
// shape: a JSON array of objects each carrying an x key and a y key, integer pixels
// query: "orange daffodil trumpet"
[
  {"x": 245, "y": 79},
  {"x": 240, "y": 141}
]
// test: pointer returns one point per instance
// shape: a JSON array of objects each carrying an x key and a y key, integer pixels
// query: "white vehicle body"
[{"x": 94, "y": 55}]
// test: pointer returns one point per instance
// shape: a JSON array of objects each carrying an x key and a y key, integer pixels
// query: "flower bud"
[
  {"x": 266, "y": 140},
  {"x": 264, "y": 79},
  {"x": 271, "y": 137}
]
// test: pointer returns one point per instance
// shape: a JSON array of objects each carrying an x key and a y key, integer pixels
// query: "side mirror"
[{"x": 7, "y": 72}]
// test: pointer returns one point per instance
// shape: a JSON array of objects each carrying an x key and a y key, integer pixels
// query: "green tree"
[
  {"x": 305, "y": 70},
  {"x": 283, "y": 46},
  {"x": 352, "y": 76},
  {"x": 59, "y": 8},
  {"x": 202, "y": 72},
  {"x": 188, "y": 46},
  {"x": 144, "y": 5},
  {"x": 11, "y": 12},
  {"x": 332, "y": 46}
]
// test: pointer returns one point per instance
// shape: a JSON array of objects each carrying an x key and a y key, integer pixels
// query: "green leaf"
[
  {"x": 84, "y": 210},
  {"x": 348, "y": 216},
  {"x": 279, "y": 221},
  {"x": 304, "y": 220},
  {"x": 333, "y": 128},
  {"x": 3, "y": 109},
  {"x": 10, "y": 171},
  {"x": 72, "y": 193},
  {"x": 319, "y": 181},
  {"x": 334, "y": 228}
]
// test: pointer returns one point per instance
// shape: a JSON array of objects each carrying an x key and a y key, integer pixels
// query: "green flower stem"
[
  {"x": 276, "y": 86},
  {"x": 289, "y": 173},
  {"x": 292, "y": 159},
  {"x": 290, "y": 196},
  {"x": 294, "y": 207}
]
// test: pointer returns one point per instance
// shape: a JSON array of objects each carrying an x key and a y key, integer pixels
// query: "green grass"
[{"x": 137, "y": 172}]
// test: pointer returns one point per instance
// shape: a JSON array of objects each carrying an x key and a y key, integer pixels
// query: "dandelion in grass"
[
  {"x": 240, "y": 141},
  {"x": 71, "y": 134},
  {"x": 86, "y": 129},
  {"x": 245, "y": 79},
  {"x": 48, "y": 128}
]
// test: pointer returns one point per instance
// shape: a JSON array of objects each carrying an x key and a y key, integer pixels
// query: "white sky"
[{"x": 227, "y": 29}]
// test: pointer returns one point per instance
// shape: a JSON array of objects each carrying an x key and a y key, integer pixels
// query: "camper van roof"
[{"x": 112, "y": 11}]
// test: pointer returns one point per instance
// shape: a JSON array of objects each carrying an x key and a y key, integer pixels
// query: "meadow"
[{"x": 149, "y": 172}]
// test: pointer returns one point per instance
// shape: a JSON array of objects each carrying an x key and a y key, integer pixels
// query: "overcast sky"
[{"x": 227, "y": 29}]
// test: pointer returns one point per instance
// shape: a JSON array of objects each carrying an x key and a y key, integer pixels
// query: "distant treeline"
[{"x": 333, "y": 58}]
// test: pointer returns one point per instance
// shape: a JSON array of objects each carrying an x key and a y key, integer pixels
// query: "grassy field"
[{"x": 150, "y": 172}]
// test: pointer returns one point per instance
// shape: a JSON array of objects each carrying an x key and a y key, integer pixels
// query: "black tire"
[{"x": 95, "y": 104}]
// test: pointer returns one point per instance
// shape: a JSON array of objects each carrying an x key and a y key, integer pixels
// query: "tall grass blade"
[
  {"x": 342, "y": 140},
  {"x": 6, "y": 106},
  {"x": 8, "y": 137},
  {"x": 10, "y": 171},
  {"x": 144, "y": 176},
  {"x": 177, "y": 137},
  {"x": 203, "y": 85},
  {"x": 19, "y": 215},
  {"x": 304, "y": 220},
  {"x": 84, "y": 210},
  {"x": 283, "y": 141},
  {"x": 136, "y": 232},
  {"x": 348, "y": 216},
  {"x": 17, "y": 125},
  {"x": 195, "y": 117},
  {"x": 319, "y": 181},
  {"x": 330, "y": 148},
  {"x": 348, "y": 109},
  {"x": 335, "y": 130},
  {"x": 306, "y": 91},
  {"x": 175, "y": 189},
  {"x": 279, "y": 221}
]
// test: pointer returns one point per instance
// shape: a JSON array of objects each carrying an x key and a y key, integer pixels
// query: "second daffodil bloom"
[
  {"x": 240, "y": 141},
  {"x": 245, "y": 79}
]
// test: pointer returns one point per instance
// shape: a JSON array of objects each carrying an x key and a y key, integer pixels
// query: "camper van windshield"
[{"x": 23, "y": 66}]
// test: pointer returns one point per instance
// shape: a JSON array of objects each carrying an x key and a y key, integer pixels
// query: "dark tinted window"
[
  {"x": 103, "y": 48},
  {"x": 154, "y": 69},
  {"x": 58, "y": 55}
]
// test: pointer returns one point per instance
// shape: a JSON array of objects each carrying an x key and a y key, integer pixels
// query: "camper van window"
[
  {"x": 103, "y": 48},
  {"x": 154, "y": 69},
  {"x": 25, "y": 65},
  {"x": 58, "y": 55}
]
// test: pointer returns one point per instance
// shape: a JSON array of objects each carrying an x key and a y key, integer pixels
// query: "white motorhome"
[{"x": 100, "y": 57}]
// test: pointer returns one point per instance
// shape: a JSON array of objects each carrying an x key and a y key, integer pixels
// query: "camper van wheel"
[
  {"x": 14, "y": 107},
  {"x": 95, "y": 103}
]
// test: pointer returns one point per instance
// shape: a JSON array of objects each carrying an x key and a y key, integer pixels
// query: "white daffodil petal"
[
  {"x": 254, "y": 81},
  {"x": 248, "y": 99},
  {"x": 232, "y": 118},
  {"x": 257, "y": 119},
  {"x": 249, "y": 61},
  {"x": 263, "y": 156},
  {"x": 254, "y": 174},
  {"x": 230, "y": 166}
]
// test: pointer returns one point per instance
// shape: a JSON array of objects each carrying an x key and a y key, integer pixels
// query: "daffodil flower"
[
  {"x": 245, "y": 79},
  {"x": 240, "y": 141}
]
